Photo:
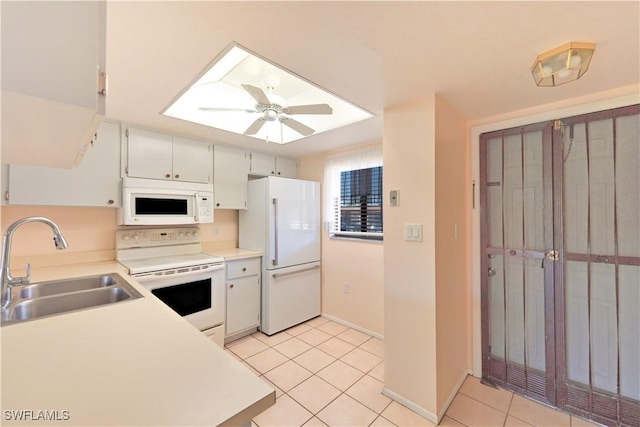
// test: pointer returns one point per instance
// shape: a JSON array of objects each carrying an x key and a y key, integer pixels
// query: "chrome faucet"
[{"x": 9, "y": 281}]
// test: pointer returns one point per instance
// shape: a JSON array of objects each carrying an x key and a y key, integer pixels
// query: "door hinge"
[
  {"x": 103, "y": 83},
  {"x": 557, "y": 124},
  {"x": 126, "y": 133},
  {"x": 473, "y": 194},
  {"x": 6, "y": 195}
]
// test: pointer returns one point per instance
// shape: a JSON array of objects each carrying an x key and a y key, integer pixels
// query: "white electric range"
[{"x": 170, "y": 263}]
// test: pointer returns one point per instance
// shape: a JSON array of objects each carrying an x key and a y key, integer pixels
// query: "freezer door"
[
  {"x": 294, "y": 222},
  {"x": 290, "y": 296}
]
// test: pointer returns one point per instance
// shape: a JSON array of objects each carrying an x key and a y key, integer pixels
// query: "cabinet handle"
[
  {"x": 168, "y": 175},
  {"x": 217, "y": 204},
  {"x": 244, "y": 269},
  {"x": 231, "y": 286},
  {"x": 273, "y": 173},
  {"x": 177, "y": 176},
  {"x": 279, "y": 173},
  {"x": 111, "y": 201}
]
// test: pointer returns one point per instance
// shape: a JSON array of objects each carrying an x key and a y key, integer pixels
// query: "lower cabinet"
[{"x": 243, "y": 297}]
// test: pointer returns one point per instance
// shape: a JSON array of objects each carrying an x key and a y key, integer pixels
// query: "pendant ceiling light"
[{"x": 563, "y": 64}]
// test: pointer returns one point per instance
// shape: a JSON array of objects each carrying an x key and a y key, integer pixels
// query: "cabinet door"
[
  {"x": 192, "y": 160},
  {"x": 262, "y": 164},
  {"x": 230, "y": 177},
  {"x": 95, "y": 182},
  {"x": 52, "y": 53},
  {"x": 243, "y": 304},
  {"x": 149, "y": 154},
  {"x": 287, "y": 168}
]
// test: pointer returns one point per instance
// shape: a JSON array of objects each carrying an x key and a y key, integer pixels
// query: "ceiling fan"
[{"x": 273, "y": 111}]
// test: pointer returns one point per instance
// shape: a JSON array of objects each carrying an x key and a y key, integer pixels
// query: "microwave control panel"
[{"x": 156, "y": 237}]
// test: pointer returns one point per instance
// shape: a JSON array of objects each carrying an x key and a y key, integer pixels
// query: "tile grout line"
[{"x": 364, "y": 373}]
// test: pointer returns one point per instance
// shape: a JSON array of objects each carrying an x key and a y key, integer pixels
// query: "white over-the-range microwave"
[{"x": 157, "y": 202}]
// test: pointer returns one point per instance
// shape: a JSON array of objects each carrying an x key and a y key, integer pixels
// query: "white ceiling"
[{"x": 475, "y": 55}]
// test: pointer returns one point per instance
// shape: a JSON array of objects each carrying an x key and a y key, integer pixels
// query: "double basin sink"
[{"x": 56, "y": 297}]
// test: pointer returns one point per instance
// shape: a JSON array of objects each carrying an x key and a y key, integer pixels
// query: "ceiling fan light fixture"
[
  {"x": 563, "y": 64},
  {"x": 236, "y": 89}
]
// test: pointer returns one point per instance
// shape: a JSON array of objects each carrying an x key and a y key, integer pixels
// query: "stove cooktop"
[{"x": 168, "y": 262}]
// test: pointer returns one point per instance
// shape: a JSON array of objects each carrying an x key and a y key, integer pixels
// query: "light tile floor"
[{"x": 326, "y": 374}]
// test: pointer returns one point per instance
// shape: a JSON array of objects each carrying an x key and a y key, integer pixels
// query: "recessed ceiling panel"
[{"x": 244, "y": 93}]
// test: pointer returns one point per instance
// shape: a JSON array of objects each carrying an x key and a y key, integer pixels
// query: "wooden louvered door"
[{"x": 560, "y": 215}]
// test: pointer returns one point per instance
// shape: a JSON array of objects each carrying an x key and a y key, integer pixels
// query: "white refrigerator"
[{"x": 282, "y": 220}]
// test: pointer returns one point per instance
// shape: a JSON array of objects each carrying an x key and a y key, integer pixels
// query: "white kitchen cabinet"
[
  {"x": 230, "y": 177},
  {"x": 265, "y": 165},
  {"x": 160, "y": 156},
  {"x": 243, "y": 297},
  {"x": 287, "y": 168},
  {"x": 53, "y": 64},
  {"x": 94, "y": 182}
]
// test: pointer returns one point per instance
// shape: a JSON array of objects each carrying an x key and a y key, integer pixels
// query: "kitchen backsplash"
[{"x": 90, "y": 234}]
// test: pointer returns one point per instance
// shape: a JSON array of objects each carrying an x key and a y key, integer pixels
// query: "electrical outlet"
[
  {"x": 216, "y": 231},
  {"x": 346, "y": 288}
]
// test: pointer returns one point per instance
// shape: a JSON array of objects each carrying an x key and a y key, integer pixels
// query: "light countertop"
[
  {"x": 232, "y": 254},
  {"x": 130, "y": 363}
]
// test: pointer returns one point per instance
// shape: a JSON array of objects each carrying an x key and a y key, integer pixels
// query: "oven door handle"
[{"x": 151, "y": 276}]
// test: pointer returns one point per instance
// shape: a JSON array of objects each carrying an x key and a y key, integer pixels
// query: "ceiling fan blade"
[
  {"x": 309, "y": 109},
  {"x": 257, "y": 94},
  {"x": 255, "y": 126},
  {"x": 240, "y": 110},
  {"x": 297, "y": 126}
]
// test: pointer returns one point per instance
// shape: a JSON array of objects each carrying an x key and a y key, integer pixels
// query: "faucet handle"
[{"x": 26, "y": 279}]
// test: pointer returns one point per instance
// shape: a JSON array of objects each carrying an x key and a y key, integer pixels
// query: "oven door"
[{"x": 197, "y": 295}]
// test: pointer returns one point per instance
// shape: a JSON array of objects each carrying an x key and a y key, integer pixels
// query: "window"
[
  {"x": 353, "y": 195},
  {"x": 361, "y": 200}
]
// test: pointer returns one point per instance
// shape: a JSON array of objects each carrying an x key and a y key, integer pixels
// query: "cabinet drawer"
[{"x": 243, "y": 267}]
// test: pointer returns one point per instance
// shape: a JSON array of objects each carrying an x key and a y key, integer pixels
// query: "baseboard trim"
[
  {"x": 411, "y": 405},
  {"x": 352, "y": 326},
  {"x": 455, "y": 391}
]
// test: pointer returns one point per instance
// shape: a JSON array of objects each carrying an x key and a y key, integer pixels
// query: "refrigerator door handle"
[
  {"x": 276, "y": 275},
  {"x": 274, "y": 261}
]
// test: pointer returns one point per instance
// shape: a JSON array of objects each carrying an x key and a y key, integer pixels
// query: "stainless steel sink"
[
  {"x": 65, "y": 286},
  {"x": 64, "y": 296}
]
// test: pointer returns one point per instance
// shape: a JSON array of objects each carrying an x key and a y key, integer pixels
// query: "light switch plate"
[
  {"x": 413, "y": 232},
  {"x": 393, "y": 197}
]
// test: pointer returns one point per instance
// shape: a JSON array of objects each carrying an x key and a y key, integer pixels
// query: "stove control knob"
[
  {"x": 180, "y": 235},
  {"x": 126, "y": 237},
  {"x": 136, "y": 237}
]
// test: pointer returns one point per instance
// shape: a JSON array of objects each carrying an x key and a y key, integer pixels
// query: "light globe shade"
[{"x": 563, "y": 64}]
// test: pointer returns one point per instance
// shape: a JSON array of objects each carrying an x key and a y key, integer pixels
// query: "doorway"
[{"x": 560, "y": 263}]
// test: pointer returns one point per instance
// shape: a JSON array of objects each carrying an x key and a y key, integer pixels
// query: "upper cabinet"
[
  {"x": 53, "y": 81},
  {"x": 265, "y": 165},
  {"x": 159, "y": 156},
  {"x": 94, "y": 182},
  {"x": 230, "y": 177}
]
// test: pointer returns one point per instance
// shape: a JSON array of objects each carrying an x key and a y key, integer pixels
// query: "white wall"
[
  {"x": 357, "y": 263},
  {"x": 409, "y": 267}
]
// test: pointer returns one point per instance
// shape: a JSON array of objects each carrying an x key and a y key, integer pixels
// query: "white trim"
[
  {"x": 453, "y": 394},
  {"x": 411, "y": 405},
  {"x": 352, "y": 326},
  {"x": 541, "y": 116}
]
